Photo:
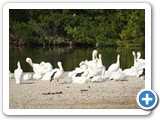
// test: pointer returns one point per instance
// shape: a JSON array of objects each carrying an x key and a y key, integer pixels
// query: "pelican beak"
[{"x": 95, "y": 55}]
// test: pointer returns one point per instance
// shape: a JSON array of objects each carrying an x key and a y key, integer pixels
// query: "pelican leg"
[
  {"x": 50, "y": 81},
  {"x": 56, "y": 80}
]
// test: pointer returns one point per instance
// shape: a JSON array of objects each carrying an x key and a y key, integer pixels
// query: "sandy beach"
[{"x": 111, "y": 94}]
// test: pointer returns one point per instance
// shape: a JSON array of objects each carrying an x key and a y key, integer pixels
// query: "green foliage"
[
  {"x": 100, "y": 27},
  {"x": 134, "y": 31}
]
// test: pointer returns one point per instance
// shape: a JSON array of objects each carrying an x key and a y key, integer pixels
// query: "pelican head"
[
  {"x": 42, "y": 63},
  {"x": 100, "y": 56},
  {"x": 94, "y": 54},
  {"x": 138, "y": 55},
  {"x": 28, "y": 60},
  {"x": 18, "y": 64},
  {"x": 118, "y": 56},
  {"x": 81, "y": 63},
  {"x": 59, "y": 63},
  {"x": 133, "y": 53}
]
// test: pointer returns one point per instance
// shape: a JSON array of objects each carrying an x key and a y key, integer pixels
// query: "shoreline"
[{"x": 111, "y": 94}]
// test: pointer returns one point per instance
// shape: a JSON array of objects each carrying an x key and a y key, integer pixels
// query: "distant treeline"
[{"x": 98, "y": 27}]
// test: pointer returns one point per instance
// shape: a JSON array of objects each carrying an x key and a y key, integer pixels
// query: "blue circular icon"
[{"x": 147, "y": 99}]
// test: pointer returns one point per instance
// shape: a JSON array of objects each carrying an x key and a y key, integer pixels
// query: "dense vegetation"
[{"x": 99, "y": 27}]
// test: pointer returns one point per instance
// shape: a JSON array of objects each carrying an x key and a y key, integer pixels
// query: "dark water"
[{"x": 70, "y": 57}]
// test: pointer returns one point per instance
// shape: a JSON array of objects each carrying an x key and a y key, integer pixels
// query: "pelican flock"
[{"x": 88, "y": 70}]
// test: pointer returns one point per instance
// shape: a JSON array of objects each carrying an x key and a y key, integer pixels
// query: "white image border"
[{"x": 5, "y": 52}]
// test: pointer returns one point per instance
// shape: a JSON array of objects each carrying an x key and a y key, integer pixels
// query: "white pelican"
[
  {"x": 103, "y": 77},
  {"x": 47, "y": 76},
  {"x": 37, "y": 76},
  {"x": 82, "y": 77},
  {"x": 101, "y": 68},
  {"x": 134, "y": 57},
  {"x": 99, "y": 61},
  {"x": 45, "y": 67},
  {"x": 94, "y": 55},
  {"x": 130, "y": 71},
  {"x": 119, "y": 75},
  {"x": 91, "y": 66},
  {"x": 88, "y": 69},
  {"x": 108, "y": 74},
  {"x": 115, "y": 66},
  {"x": 140, "y": 64},
  {"x": 75, "y": 72},
  {"x": 94, "y": 58},
  {"x": 133, "y": 72},
  {"x": 35, "y": 66},
  {"x": 96, "y": 67},
  {"x": 83, "y": 63},
  {"x": 139, "y": 57},
  {"x": 98, "y": 71},
  {"x": 18, "y": 73},
  {"x": 27, "y": 76},
  {"x": 41, "y": 68},
  {"x": 57, "y": 74},
  {"x": 92, "y": 69},
  {"x": 136, "y": 69},
  {"x": 99, "y": 78},
  {"x": 79, "y": 80}
]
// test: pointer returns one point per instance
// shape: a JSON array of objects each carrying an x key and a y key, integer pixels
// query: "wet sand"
[{"x": 111, "y": 94}]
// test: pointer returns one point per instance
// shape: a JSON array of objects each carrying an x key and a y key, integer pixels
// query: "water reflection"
[{"x": 70, "y": 57}]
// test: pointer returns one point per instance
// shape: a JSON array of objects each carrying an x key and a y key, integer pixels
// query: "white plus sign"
[{"x": 147, "y": 99}]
